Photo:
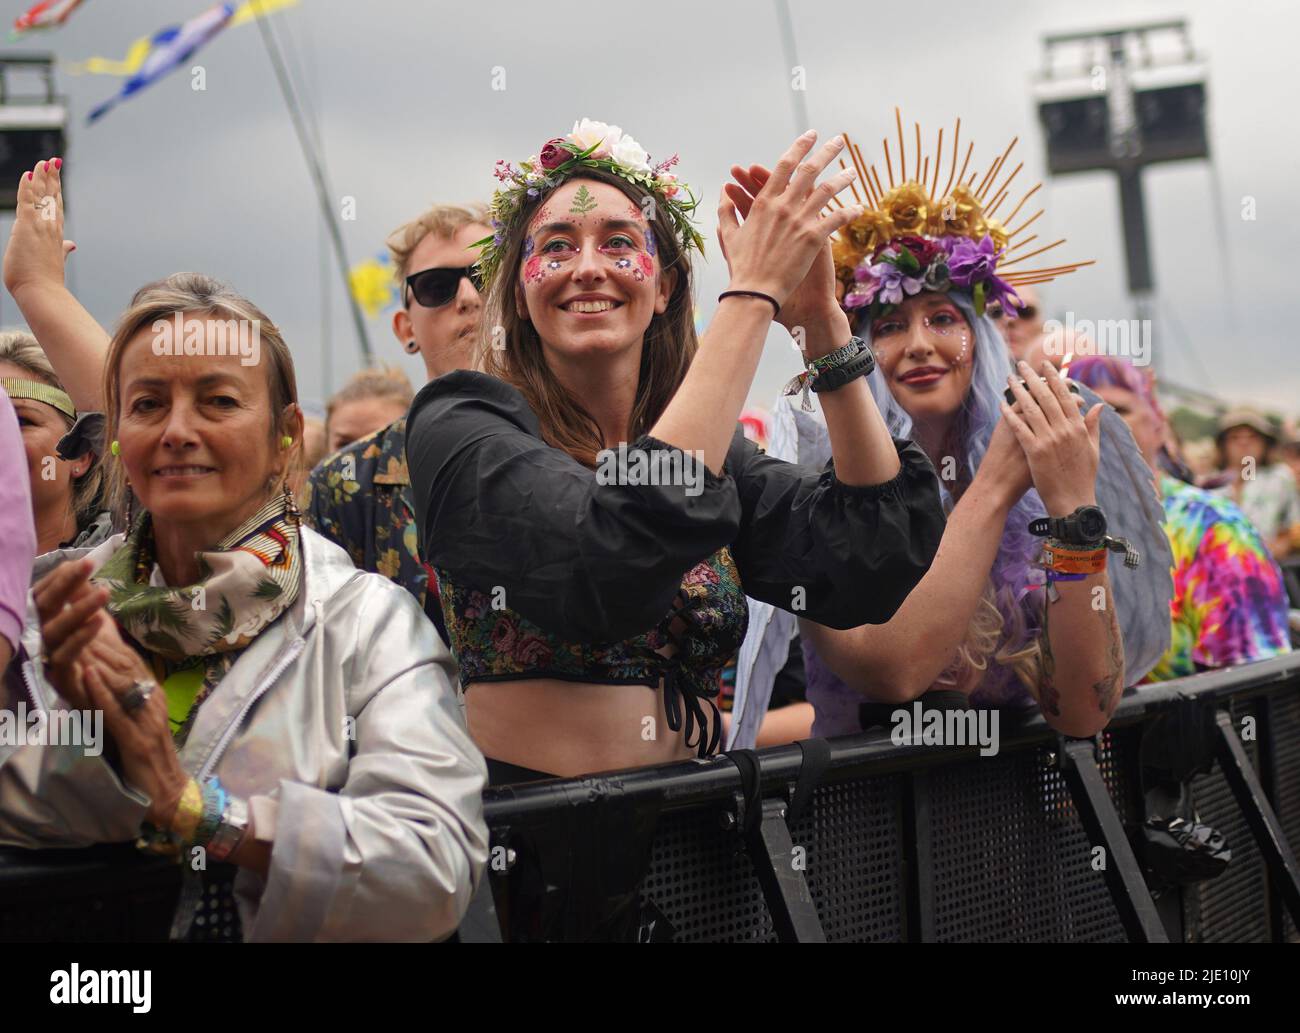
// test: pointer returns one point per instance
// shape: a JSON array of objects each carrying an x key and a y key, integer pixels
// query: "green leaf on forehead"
[{"x": 583, "y": 202}]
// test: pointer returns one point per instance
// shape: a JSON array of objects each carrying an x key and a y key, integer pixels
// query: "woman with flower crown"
[
  {"x": 992, "y": 620},
  {"x": 591, "y": 508}
]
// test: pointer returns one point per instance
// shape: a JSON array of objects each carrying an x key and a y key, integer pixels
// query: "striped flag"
[
  {"x": 49, "y": 14},
  {"x": 169, "y": 48},
  {"x": 141, "y": 48}
]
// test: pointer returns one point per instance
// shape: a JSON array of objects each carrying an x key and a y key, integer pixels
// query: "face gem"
[
  {"x": 553, "y": 264},
  {"x": 623, "y": 263}
]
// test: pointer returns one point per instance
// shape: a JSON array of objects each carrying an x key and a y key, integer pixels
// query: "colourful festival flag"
[
  {"x": 49, "y": 14},
  {"x": 139, "y": 50},
  {"x": 168, "y": 48},
  {"x": 371, "y": 283}
]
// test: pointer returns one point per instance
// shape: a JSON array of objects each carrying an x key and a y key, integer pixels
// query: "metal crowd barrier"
[
  {"x": 859, "y": 839},
  {"x": 852, "y": 839}
]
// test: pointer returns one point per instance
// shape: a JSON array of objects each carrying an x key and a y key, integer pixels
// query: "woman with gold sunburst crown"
[{"x": 1018, "y": 606}]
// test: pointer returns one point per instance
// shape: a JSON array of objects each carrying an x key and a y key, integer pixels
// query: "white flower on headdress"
[
  {"x": 630, "y": 154},
  {"x": 586, "y": 133}
]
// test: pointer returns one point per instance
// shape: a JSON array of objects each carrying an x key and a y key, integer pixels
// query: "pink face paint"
[
  {"x": 533, "y": 269},
  {"x": 646, "y": 263}
]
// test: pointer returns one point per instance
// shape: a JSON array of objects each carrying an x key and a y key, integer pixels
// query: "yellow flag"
[{"x": 372, "y": 285}]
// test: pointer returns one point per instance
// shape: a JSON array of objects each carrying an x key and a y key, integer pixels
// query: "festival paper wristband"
[
  {"x": 189, "y": 811},
  {"x": 1063, "y": 561}
]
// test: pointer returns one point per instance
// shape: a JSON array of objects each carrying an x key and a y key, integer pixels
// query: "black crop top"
[{"x": 545, "y": 571}]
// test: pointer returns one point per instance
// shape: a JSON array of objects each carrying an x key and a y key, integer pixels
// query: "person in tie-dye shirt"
[{"x": 1229, "y": 605}]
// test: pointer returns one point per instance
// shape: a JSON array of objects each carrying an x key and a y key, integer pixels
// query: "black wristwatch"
[
  {"x": 855, "y": 360},
  {"x": 1085, "y": 526}
]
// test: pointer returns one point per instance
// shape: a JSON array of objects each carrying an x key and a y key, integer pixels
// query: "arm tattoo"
[
  {"x": 1049, "y": 698},
  {"x": 1109, "y": 687}
]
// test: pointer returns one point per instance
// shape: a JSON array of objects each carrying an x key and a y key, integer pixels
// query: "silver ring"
[{"x": 137, "y": 695}]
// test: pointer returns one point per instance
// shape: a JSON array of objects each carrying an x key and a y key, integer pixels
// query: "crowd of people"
[{"x": 313, "y": 643}]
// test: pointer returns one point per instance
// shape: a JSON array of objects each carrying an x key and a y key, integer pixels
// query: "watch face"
[{"x": 1092, "y": 523}]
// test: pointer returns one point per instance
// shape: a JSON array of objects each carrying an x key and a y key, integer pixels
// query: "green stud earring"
[
  {"x": 286, "y": 441},
  {"x": 115, "y": 448}
]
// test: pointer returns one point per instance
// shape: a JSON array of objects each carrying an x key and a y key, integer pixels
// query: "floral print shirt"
[{"x": 360, "y": 498}]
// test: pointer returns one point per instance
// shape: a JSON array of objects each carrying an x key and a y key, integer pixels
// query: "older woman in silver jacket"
[{"x": 266, "y": 705}]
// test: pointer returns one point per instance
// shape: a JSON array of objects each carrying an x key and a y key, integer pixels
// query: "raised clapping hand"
[
  {"x": 1062, "y": 446},
  {"x": 785, "y": 233},
  {"x": 36, "y": 251},
  {"x": 90, "y": 665}
]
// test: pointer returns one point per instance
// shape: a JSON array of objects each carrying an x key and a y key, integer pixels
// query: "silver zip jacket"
[{"x": 340, "y": 726}]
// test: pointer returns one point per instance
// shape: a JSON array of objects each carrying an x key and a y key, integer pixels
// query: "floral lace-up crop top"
[{"x": 546, "y": 570}]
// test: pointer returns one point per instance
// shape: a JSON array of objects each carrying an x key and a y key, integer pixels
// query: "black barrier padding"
[
  {"x": 1233, "y": 907},
  {"x": 1011, "y": 860},
  {"x": 852, "y": 836},
  {"x": 1284, "y": 715},
  {"x": 105, "y": 894},
  {"x": 702, "y": 880}
]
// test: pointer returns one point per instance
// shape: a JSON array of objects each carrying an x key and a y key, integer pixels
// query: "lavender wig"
[{"x": 1013, "y": 575}]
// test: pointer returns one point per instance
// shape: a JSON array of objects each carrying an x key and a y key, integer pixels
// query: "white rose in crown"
[
  {"x": 630, "y": 154},
  {"x": 588, "y": 133}
]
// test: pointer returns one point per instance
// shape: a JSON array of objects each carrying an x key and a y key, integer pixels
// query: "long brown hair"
[
  {"x": 512, "y": 350},
  {"x": 196, "y": 294}
]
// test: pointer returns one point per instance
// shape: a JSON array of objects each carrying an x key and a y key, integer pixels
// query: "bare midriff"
[{"x": 572, "y": 728}]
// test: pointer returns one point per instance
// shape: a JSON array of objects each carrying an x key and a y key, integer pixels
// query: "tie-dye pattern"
[{"x": 1229, "y": 604}]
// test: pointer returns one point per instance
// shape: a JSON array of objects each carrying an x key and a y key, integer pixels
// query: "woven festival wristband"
[
  {"x": 859, "y": 366},
  {"x": 1070, "y": 561}
]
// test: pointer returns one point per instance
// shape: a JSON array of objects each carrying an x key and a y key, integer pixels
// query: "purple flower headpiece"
[{"x": 908, "y": 265}]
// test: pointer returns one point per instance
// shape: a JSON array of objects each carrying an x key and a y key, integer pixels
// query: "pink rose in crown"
[{"x": 553, "y": 155}]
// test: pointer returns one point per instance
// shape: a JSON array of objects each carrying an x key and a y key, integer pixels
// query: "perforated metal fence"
[
  {"x": 893, "y": 843},
  {"x": 922, "y": 843}
]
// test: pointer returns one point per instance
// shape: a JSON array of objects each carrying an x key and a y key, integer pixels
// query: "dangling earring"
[{"x": 291, "y": 507}]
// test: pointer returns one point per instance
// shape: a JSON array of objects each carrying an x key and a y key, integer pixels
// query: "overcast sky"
[{"x": 403, "y": 94}]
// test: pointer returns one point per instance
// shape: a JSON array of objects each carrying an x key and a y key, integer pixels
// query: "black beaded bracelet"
[{"x": 776, "y": 305}]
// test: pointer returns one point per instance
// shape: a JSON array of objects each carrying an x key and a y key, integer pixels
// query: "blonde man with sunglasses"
[{"x": 360, "y": 497}]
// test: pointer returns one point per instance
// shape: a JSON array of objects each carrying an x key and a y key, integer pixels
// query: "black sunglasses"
[{"x": 433, "y": 288}]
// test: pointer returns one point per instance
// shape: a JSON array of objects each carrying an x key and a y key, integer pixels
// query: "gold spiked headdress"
[{"x": 915, "y": 237}]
